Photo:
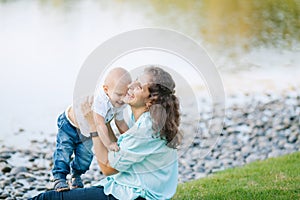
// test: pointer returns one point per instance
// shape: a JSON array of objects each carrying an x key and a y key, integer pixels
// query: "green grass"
[{"x": 275, "y": 178}]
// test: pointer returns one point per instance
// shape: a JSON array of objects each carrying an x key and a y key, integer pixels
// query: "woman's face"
[{"x": 138, "y": 92}]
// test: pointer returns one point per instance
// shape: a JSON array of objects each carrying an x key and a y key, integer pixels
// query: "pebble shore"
[{"x": 265, "y": 126}]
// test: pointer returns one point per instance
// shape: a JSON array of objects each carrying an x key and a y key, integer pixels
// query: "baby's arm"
[
  {"x": 121, "y": 125},
  {"x": 109, "y": 140}
]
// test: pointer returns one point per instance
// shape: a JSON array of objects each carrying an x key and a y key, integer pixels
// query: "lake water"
[{"x": 44, "y": 43}]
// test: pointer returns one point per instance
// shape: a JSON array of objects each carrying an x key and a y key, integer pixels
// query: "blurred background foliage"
[
  {"x": 245, "y": 23},
  {"x": 249, "y": 23}
]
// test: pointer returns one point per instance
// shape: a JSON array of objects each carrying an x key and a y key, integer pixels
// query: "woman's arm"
[
  {"x": 121, "y": 125},
  {"x": 101, "y": 151},
  {"x": 102, "y": 158}
]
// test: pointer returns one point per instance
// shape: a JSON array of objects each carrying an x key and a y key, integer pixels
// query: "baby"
[{"x": 108, "y": 104}]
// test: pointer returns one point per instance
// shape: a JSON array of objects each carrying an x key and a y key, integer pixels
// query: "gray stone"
[
  {"x": 238, "y": 163},
  {"x": 17, "y": 185},
  {"x": 41, "y": 188},
  {"x": 4, "y": 166},
  {"x": 246, "y": 150},
  {"x": 198, "y": 168},
  {"x": 20, "y": 176},
  {"x": 252, "y": 158},
  {"x": 4, "y": 195},
  {"x": 5, "y": 182},
  {"x": 18, "y": 170},
  {"x": 293, "y": 137},
  {"x": 281, "y": 144},
  {"x": 6, "y": 169},
  {"x": 289, "y": 147},
  {"x": 200, "y": 175},
  {"x": 24, "y": 183},
  {"x": 214, "y": 170},
  {"x": 274, "y": 153},
  {"x": 226, "y": 162},
  {"x": 5, "y": 155}
]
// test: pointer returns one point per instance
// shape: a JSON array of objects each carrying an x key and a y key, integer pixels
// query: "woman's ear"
[{"x": 148, "y": 105}]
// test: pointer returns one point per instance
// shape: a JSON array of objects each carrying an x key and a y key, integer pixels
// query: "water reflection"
[
  {"x": 232, "y": 22},
  {"x": 229, "y": 22}
]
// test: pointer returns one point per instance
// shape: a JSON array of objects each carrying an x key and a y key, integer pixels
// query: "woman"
[{"x": 146, "y": 165}]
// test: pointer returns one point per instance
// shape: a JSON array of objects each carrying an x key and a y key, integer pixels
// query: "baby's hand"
[
  {"x": 86, "y": 109},
  {"x": 113, "y": 147}
]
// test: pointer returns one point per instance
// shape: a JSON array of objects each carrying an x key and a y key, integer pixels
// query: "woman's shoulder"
[
  {"x": 142, "y": 125},
  {"x": 141, "y": 133},
  {"x": 145, "y": 121}
]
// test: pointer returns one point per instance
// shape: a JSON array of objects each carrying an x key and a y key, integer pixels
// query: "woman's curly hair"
[{"x": 164, "y": 108}]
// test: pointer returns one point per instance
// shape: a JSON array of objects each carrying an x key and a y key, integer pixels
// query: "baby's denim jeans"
[{"x": 69, "y": 140}]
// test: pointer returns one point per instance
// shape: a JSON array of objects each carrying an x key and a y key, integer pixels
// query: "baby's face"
[{"x": 116, "y": 94}]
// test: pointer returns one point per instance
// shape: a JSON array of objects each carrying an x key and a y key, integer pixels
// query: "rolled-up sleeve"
[
  {"x": 133, "y": 150},
  {"x": 124, "y": 159},
  {"x": 135, "y": 146}
]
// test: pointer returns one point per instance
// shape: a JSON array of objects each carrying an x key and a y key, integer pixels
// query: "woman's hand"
[{"x": 86, "y": 109}]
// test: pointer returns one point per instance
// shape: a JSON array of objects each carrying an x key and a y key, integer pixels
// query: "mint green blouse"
[{"x": 147, "y": 167}]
